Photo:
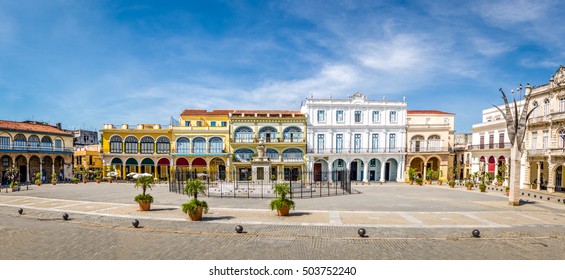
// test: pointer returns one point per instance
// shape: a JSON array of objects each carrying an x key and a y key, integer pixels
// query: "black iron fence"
[{"x": 260, "y": 185}]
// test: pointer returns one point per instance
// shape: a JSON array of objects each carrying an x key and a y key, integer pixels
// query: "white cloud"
[
  {"x": 489, "y": 48},
  {"x": 508, "y": 12}
]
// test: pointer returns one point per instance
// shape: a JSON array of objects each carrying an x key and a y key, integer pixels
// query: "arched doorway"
[
  {"x": 163, "y": 166},
  {"x": 59, "y": 167},
  {"x": 418, "y": 165},
  {"x": 356, "y": 170},
  {"x": 338, "y": 166},
  {"x": 491, "y": 165},
  {"x": 148, "y": 166},
  {"x": 47, "y": 167},
  {"x": 559, "y": 178},
  {"x": 5, "y": 163},
  {"x": 391, "y": 167},
  {"x": 217, "y": 169},
  {"x": 199, "y": 167},
  {"x": 320, "y": 170},
  {"x": 116, "y": 166},
  {"x": 131, "y": 165},
  {"x": 374, "y": 169},
  {"x": 34, "y": 166}
]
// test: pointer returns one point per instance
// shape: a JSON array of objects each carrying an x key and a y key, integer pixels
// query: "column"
[
  {"x": 330, "y": 175},
  {"x": 382, "y": 171},
  {"x": 400, "y": 171},
  {"x": 41, "y": 169},
  {"x": 551, "y": 179},
  {"x": 53, "y": 169},
  {"x": 366, "y": 172},
  {"x": 495, "y": 169},
  {"x": 538, "y": 176},
  {"x": 28, "y": 171}
]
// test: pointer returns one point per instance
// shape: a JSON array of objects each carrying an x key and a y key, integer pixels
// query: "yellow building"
[
  {"x": 88, "y": 157},
  {"x": 144, "y": 148},
  {"x": 33, "y": 147},
  {"x": 284, "y": 136},
  {"x": 200, "y": 144},
  {"x": 430, "y": 136}
]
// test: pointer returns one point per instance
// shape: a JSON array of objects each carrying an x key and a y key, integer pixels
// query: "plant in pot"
[
  {"x": 440, "y": 179},
  {"x": 75, "y": 180},
  {"x": 38, "y": 178},
  {"x": 15, "y": 186},
  {"x": 144, "y": 200},
  {"x": 429, "y": 174},
  {"x": 411, "y": 175},
  {"x": 54, "y": 178},
  {"x": 282, "y": 204},
  {"x": 469, "y": 185},
  {"x": 419, "y": 181},
  {"x": 451, "y": 183},
  {"x": 194, "y": 208},
  {"x": 507, "y": 191},
  {"x": 482, "y": 187}
]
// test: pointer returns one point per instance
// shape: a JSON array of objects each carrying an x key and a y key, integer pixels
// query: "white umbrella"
[
  {"x": 113, "y": 173},
  {"x": 131, "y": 174}
]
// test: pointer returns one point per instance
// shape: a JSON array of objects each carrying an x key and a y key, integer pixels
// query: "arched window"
[
  {"x": 163, "y": 145},
  {"x": 199, "y": 145},
  {"x": 293, "y": 154},
  {"x": 292, "y": 134},
  {"x": 216, "y": 145},
  {"x": 116, "y": 144},
  {"x": 243, "y": 155},
  {"x": 131, "y": 145},
  {"x": 417, "y": 143},
  {"x": 434, "y": 143},
  {"x": 243, "y": 135},
  {"x": 46, "y": 143},
  {"x": 33, "y": 142},
  {"x": 268, "y": 134},
  {"x": 546, "y": 107},
  {"x": 147, "y": 145},
  {"x": 272, "y": 154},
  {"x": 20, "y": 140},
  {"x": 183, "y": 145}
]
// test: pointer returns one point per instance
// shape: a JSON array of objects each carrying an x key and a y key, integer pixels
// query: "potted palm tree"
[
  {"x": 469, "y": 185},
  {"x": 411, "y": 175},
  {"x": 451, "y": 183},
  {"x": 54, "y": 178},
  {"x": 429, "y": 174},
  {"x": 282, "y": 204},
  {"x": 194, "y": 208},
  {"x": 419, "y": 181},
  {"x": 483, "y": 187},
  {"x": 144, "y": 200}
]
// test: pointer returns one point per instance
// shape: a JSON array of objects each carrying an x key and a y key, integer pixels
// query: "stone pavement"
[{"x": 402, "y": 223}]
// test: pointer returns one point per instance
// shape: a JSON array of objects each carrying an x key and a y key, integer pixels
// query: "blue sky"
[{"x": 87, "y": 63}]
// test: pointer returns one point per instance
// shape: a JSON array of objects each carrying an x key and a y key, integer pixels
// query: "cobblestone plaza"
[{"x": 402, "y": 222}]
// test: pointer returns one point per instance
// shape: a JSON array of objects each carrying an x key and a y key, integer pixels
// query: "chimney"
[{"x": 58, "y": 125}]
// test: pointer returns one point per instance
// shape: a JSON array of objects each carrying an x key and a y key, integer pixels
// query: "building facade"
[
  {"x": 490, "y": 145},
  {"x": 88, "y": 158},
  {"x": 366, "y": 137},
  {"x": 201, "y": 144},
  {"x": 462, "y": 160},
  {"x": 84, "y": 138},
  {"x": 145, "y": 148},
  {"x": 545, "y": 136},
  {"x": 34, "y": 147},
  {"x": 430, "y": 135},
  {"x": 283, "y": 135}
]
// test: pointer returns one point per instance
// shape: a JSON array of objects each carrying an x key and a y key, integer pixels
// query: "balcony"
[
  {"x": 538, "y": 120},
  {"x": 558, "y": 116},
  {"x": 356, "y": 150},
  {"x": 428, "y": 149},
  {"x": 35, "y": 149},
  {"x": 237, "y": 139},
  {"x": 491, "y": 146},
  {"x": 293, "y": 157},
  {"x": 536, "y": 152}
]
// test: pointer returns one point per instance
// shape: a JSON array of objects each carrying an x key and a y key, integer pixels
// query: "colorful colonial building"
[
  {"x": 145, "y": 148},
  {"x": 34, "y": 147},
  {"x": 430, "y": 146},
  {"x": 282, "y": 133},
  {"x": 201, "y": 144}
]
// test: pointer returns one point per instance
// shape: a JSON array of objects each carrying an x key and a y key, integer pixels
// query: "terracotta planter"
[
  {"x": 507, "y": 193},
  {"x": 411, "y": 183},
  {"x": 98, "y": 181},
  {"x": 452, "y": 186},
  {"x": 196, "y": 216},
  {"x": 439, "y": 183},
  {"x": 483, "y": 190},
  {"x": 284, "y": 211},
  {"x": 469, "y": 188},
  {"x": 144, "y": 205},
  {"x": 54, "y": 183}
]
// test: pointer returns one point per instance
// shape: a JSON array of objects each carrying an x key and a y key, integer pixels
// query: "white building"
[
  {"x": 367, "y": 137},
  {"x": 490, "y": 147}
]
